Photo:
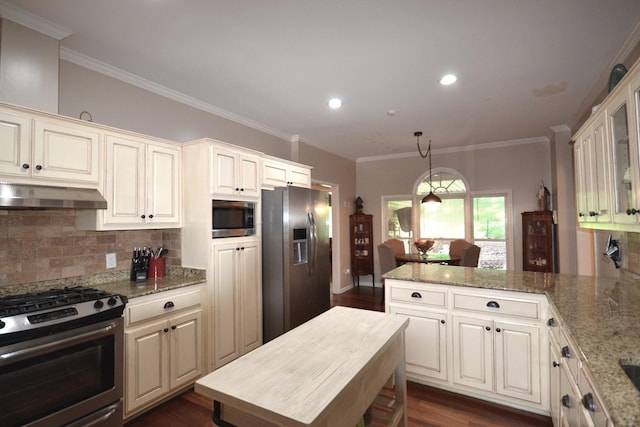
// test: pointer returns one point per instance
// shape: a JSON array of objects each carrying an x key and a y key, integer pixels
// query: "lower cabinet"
[
  {"x": 237, "y": 299},
  {"x": 484, "y": 343},
  {"x": 574, "y": 401},
  {"x": 163, "y": 346}
]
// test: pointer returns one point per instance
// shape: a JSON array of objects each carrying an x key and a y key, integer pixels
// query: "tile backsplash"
[{"x": 38, "y": 245}]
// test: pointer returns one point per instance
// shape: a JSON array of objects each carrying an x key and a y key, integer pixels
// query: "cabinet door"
[
  {"x": 248, "y": 174},
  {"x": 65, "y": 152},
  {"x": 162, "y": 189},
  {"x": 186, "y": 361},
  {"x": 225, "y": 303},
  {"x": 625, "y": 161},
  {"x": 299, "y": 177},
  {"x": 274, "y": 174},
  {"x": 15, "y": 144},
  {"x": 147, "y": 364},
  {"x": 125, "y": 184},
  {"x": 225, "y": 165},
  {"x": 250, "y": 296},
  {"x": 580, "y": 180},
  {"x": 425, "y": 343},
  {"x": 473, "y": 352},
  {"x": 517, "y": 360}
]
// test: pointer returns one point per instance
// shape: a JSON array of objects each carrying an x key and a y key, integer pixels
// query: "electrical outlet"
[{"x": 111, "y": 260}]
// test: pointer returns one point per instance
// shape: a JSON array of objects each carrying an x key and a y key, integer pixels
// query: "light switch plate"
[{"x": 111, "y": 260}]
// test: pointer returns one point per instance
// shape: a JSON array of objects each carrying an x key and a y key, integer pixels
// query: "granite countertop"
[
  {"x": 117, "y": 282},
  {"x": 602, "y": 316}
]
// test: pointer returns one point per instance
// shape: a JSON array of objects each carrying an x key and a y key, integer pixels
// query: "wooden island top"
[{"x": 325, "y": 372}]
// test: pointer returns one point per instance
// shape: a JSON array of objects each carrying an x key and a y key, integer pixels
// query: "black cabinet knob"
[
  {"x": 555, "y": 364},
  {"x": 39, "y": 167},
  {"x": 589, "y": 402},
  {"x": 143, "y": 216},
  {"x": 580, "y": 214},
  {"x": 566, "y": 401},
  {"x": 174, "y": 327},
  {"x": 632, "y": 211},
  {"x": 166, "y": 330},
  {"x": 25, "y": 166},
  {"x": 151, "y": 216},
  {"x": 442, "y": 321},
  {"x": 493, "y": 304},
  {"x": 551, "y": 322},
  {"x": 488, "y": 328},
  {"x": 592, "y": 213},
  {"x": 498, "y": 330}
]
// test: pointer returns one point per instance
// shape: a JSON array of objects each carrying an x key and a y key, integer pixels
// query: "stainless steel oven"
[{"x": 63, "y": 365}]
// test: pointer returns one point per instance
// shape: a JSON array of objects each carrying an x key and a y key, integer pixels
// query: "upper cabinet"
[
  {"x": 47, "y": 150},
  {"x": 278, "y": 173},
  {"x": 236, "y": 172},
  {"x": 141, "y": 185},
  {"x": 607, "y": 160}
]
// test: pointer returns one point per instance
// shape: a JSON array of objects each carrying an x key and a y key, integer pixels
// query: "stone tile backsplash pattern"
[{"x": 38, "y": 245}]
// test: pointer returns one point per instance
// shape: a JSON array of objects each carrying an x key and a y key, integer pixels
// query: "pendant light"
[{"x": 430, "y": 198}]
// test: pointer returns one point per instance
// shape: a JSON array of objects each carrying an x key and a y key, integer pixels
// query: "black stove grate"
[{"x": 31, "y": 302}]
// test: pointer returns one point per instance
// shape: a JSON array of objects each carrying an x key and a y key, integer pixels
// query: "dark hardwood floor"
[{"x": 427, "y": 406}]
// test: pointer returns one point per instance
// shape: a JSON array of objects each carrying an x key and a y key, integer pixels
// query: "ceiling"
[{"x": 523, "y": 66}]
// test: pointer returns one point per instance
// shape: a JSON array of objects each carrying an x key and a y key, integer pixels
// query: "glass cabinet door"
[{"x": 625, "y": 165}]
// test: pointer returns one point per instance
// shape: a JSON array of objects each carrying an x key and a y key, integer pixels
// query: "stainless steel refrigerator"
[{"x": 296, "y": 264}]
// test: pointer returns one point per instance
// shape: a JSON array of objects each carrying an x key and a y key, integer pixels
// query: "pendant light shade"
[{"x": 430, "y": 198}]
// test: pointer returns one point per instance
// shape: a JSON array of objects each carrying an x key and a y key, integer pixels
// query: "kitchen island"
[
  {"x": 325, "y": 372},
  {"x": 600, "y": 314}
]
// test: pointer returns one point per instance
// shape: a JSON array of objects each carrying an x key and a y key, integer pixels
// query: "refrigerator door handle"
[{"x": 313, "y": 240}]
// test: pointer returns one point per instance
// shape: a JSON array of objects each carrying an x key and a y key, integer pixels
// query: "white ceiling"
[{"x": 523, "y": 65}]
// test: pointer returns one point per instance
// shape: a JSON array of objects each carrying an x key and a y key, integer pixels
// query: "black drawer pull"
[
  {"x": 551, "y": 322},
  {"x": 493, "y": 304},
  {"x": 589, "y": 402},
  {"x": 416, "y": 295},
  {"x": 169, "y": 304},
  {"x": 566, "y": 401},
  {"x": 566, "y": 352}
]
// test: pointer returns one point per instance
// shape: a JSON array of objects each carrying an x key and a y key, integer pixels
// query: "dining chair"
[
  {"x": 397, "y": 245},
  {"x": 457, "y": 247},
  {"x": 470, "y": 256},
  {"x": 388, "y": 262}
]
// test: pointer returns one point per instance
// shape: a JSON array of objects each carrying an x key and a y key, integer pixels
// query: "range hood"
[{"x": 26, "y": 196}]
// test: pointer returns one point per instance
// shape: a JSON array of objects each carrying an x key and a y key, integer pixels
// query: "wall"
[
  {"x": 40, "y": 245},
  {"x": 518, "y": 167},
  {"x": 28, "y": 67},
  {"x": 119, "y": 104}
]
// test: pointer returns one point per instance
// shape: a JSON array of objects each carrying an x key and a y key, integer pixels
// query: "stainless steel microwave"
[{"x": 232, "y": 218}]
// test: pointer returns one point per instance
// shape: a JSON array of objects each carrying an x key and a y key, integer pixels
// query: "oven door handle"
[{"x": 26, "y": 353}]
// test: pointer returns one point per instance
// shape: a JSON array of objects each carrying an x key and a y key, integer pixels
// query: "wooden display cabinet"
[
  {"x": 361, "y": 226},
  {"x": 538, "y": 242}
]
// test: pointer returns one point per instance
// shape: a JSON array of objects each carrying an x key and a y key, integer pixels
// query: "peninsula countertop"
[
  {"x": 325, "y": 372},
  {"x": 602, "y": 316}
]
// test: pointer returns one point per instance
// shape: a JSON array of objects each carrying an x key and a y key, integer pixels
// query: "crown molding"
[
  {"x": 34, "y": 22},
  {"x": 135, "y": 80},
  {"x": 462, "y": 148}
]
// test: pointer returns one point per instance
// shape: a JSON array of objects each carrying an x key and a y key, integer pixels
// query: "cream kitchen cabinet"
[
  {"x": 488, "y": 344},
  {"x": 593, "y": 173},
  {"x": 236, "y": 172},
  {"x": 237, "y": 299},
  {"x": 163, "y": 346},
  {"x": 426, "y": 336},
  {"x": 141, "y": 185},
  {"x": 278, "y": 173},
  {"x": 38, "y": 149}
]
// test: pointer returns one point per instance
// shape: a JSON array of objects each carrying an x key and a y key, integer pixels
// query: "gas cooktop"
[{"x": 36, "y": 314}]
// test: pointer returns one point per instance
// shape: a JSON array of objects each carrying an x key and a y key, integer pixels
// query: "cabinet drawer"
[
  {"x": 162, "y": 304},
  {"x": 429, "y": 297},
  {"x": 570, "y": 355},
  {"x": 523, "y": 308}
]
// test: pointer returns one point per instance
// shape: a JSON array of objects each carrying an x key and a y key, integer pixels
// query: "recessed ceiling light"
[
  {"x": 335, "y": 103},
  {"x": 448, "y": 79}
]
